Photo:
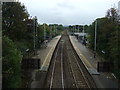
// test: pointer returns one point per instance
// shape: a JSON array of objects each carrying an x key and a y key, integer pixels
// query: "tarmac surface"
[{"x": 45, "y": 55}]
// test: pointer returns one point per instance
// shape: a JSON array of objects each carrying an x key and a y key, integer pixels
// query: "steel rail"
[
  {"x": 81, "y": 70},
  {"x": 72, "y": 71},
  {"x": 53, "y": 69},
  {"x": 62, "y": 68}
]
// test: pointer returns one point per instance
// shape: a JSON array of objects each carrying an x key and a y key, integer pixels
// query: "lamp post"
[
  {"x": 35, "y": 34},
  {"x": 95, "y": 39},
  {"x": 50, "y": 32},
  {"x": 54, "y": 30},
  {"x": 44, "y": 31},
  {"x": 83, "y": 33},
  {"x": 75, "y": 28},
  {"x": 78, "y": 28}
]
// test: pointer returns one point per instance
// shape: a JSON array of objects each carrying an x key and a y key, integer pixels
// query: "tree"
[
  {"x": 14, "y": 28},
  {"x": 108, "y": 38},
  {"x": 11, "y": 62},
  {"x": 112, "y": 15},
  {"x": 14, "y": 16}
]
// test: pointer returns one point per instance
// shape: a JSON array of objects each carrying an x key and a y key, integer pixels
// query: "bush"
[{"x": 11, "y": 64}]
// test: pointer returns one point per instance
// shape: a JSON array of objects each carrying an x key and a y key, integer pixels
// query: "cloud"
[
  {"x": 65, "y": 5},
  {"x": 68, "y": 11}
]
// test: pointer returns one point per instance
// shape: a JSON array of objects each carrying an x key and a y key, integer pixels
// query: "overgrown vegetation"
[
  {"x": 11, "y": 62},
  {"x": 18, "y": 37},
  {"x": 108, "y": 38},
  {"x": 14, "y": 33}
]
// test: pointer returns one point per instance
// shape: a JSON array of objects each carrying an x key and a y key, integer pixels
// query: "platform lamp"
[
  {"x": 35, "y": 33},
  {"x": 95, "y": 39}
]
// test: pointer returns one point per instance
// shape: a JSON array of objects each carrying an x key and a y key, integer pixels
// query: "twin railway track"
[{"x": 66, "y": 70}]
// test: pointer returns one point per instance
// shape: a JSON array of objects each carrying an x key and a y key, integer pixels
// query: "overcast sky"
[{"x": 68, "y": 12}]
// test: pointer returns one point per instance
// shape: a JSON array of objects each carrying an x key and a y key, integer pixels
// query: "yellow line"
[
  {"x": 48, "y": 55},
  {"x": 84, "y": 60}
]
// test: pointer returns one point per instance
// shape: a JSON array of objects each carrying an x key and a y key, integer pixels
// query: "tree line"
[
  {"x": 17, "y": 37},
  {"x": 108, "y": 38}
]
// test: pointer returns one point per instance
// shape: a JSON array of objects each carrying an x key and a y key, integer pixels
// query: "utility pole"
[
  {"x": 83, "y": 33},
  {"x": 44, "y": 31},
  {"x": 35, "y": 33},
  {"x": 78, "y": 29},
  {"x": 72, "y": 29},
  {"x": 95, "y": 39},
  {"x": 50, "y": 32},
  {"x": 75, "y": 29},
  {"x": 54, "y": 30}
]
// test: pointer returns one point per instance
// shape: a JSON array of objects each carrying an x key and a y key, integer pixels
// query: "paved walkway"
[
  {"x": 102, "y": 80},
  {"x": 45, "y": 55}
]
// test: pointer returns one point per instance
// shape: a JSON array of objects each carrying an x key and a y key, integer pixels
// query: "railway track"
[{"x": 66, "y": 69}]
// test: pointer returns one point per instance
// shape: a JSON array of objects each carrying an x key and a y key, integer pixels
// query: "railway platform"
[
  {"x": 102, "y": 80},
  {"x": 45, "y": 55},
  {"x": 46, "y": 52}
]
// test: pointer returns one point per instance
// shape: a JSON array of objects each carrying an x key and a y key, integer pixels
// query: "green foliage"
[
  {"x": 11, "y": 59},
  {"x": 40, "y": 33},
  {"x": 14, "y": 16},
  {"x": 15, "y": 40},
  {"x": 108, "y": 38},
  {"x": 104, "y": 30},
  {"x": 14, "y": 21},
  {"x": 114, "y": 46}
]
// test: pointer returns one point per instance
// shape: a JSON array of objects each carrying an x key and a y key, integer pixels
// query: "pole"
[
  {"x": 54, "y": 30},
  {"x": 34, "y": 35},
  {"x": 83, "y": 33},
  {"x": 78, "y": 29},
  {"x": 50, "y": 32},
  {"x": 95, "y": 39},
  {"x": 75, "y": 29},
  {"x": 36, "y": 40},
  {"x": 44, "y": 32}
]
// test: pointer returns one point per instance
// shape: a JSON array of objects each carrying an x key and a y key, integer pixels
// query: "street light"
[
  {"x": 95, "y": 39},
  {"x": 78, "y": 28},
  {"x": 35, "y": 33},
  {"x": 50, "y": 32},
  {"x": 83, "y": 33},
  {"x": 44, "y": 31},
  {"x": 54, "y": 30}
]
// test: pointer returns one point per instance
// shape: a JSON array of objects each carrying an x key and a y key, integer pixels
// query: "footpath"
[
  {"x": 102, "y": 80},
  {"x": 45, "y": 55}
]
